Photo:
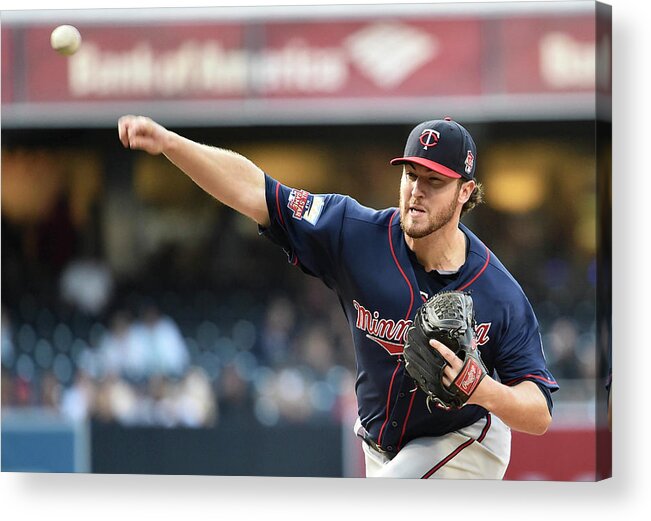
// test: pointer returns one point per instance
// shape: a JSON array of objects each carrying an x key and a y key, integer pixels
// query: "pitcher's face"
[{"x": 428, "y": 200}]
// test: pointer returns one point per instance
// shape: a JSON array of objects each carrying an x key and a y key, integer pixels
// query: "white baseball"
[{"x": 65, "y": 39}]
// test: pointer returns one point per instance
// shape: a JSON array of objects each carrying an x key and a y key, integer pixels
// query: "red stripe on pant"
[{"x": 456, "y": 451}]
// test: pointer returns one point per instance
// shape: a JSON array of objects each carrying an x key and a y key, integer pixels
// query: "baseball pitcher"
[{"x": 448, "y": 349}]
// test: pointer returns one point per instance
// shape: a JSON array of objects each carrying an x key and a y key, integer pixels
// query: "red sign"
[
  {"x": 307, "y": 59},
  {"x": 373, "y": 58},
  {"x": 387, "y": 63},
  {"x": 139, "y": 62},
  {"x": 554, "y": 54},
  {"x": 561, "y": 455},
  {"x": 8, "y": 71}
]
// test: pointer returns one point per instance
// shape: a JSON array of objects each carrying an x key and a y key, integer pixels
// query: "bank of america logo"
[{"x": 388, "y": 53}]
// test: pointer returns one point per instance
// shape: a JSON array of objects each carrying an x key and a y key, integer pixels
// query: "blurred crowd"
[{"x": 138, "y": 365}]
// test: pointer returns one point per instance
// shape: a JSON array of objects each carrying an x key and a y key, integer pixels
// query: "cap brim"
[{"x": 432, "y": 165}]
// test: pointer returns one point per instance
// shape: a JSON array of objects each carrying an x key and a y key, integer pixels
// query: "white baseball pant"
[{"x": 480, "y": 451}]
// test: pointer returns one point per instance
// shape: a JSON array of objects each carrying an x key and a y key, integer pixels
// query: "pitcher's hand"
[{"x": 142, "y": 133}]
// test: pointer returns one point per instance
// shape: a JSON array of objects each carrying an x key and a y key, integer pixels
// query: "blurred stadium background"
[{"x": 146, "y": 328}]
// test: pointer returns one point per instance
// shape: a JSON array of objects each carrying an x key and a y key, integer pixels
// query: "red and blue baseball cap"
[{"x": 441, "y": 145}]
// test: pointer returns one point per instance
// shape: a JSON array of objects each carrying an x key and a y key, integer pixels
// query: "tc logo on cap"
[{"x": 429, "y": 138}]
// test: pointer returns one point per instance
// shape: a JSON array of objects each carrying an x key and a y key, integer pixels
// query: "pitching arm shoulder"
[{"x": 229, "y": 177}]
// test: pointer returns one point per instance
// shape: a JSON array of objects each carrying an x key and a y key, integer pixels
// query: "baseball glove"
[{"x": 449, "y": 318}]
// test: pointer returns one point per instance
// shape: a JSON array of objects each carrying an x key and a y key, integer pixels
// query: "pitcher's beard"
[{"x": 433, "y": 224}]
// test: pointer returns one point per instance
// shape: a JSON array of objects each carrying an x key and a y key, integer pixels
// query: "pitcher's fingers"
[
  {"x": 137, "y": 132},
  {"x": 449, "y": 374},
  {"x": 123, "y": 130},
  {"x": 443, "y": 350}
]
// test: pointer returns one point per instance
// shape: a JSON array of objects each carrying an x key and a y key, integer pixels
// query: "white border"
[
  {"x": 288, "y": 10},
  {"x": 72, "y": 497}
]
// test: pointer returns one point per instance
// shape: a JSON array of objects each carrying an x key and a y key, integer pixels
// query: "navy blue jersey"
[{"x": 361, "y": 254}]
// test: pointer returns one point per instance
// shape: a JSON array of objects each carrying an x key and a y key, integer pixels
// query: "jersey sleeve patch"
[{"x": 305, "y": 206}]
